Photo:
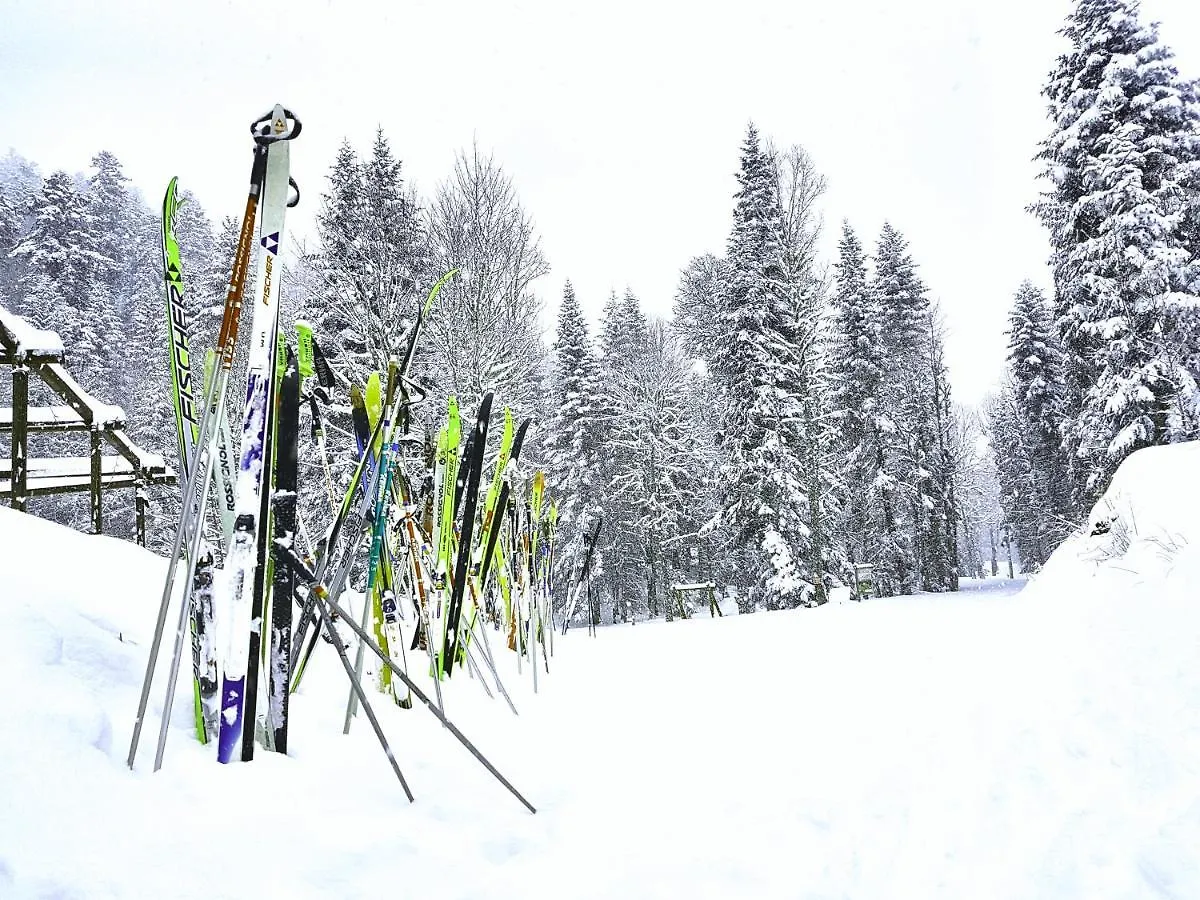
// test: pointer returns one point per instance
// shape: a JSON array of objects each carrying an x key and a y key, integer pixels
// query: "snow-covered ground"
[{"x": 1000, "y": 743}]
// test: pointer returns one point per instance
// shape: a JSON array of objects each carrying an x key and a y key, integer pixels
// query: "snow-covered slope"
[{"x": 988, "y": 744}]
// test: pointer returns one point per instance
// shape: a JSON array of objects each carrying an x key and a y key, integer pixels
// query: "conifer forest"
[{"x": 792, "y": 417}]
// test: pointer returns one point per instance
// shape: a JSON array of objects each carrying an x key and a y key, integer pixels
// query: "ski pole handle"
[{"x": 269, "y": 127}]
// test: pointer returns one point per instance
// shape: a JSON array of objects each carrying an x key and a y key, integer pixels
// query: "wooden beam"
[
  {"x": 73, "y": 484},
  {"x": 61, "y": 382},
  {"x": 49, "y": 418},
  {"x": 149, "y": 462}
]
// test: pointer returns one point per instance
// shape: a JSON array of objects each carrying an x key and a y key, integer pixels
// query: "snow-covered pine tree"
[
  {"x": 916, "y": 396},
  {"x": 799, "y": 187},
  {"x": 59, "y": 260},
  {"x": 394, "y": 257},
  {"x": 1019, "y": 484},
  {"x": 625, "y": 577},
  {"x": 11, "y": 220},
  {"x": 124, "y": 265},
  {"x": 1035, "y": 370},
  {"x": 1122, "y": 209},
  {"x": 112, "y": 215},
  {"x": 856, "y": 358},
  {"x": 20, "y": 183},
  {"x": 361, "y": 287},
  {"x": 898, "y": 300},
  {"x": 371, "y": 270},
  {"x": 941, "y": 554},
  {"x": 573, "y": 439},
  {"x": 334, "y": 310},
  {"x": 763, "y": 498}
]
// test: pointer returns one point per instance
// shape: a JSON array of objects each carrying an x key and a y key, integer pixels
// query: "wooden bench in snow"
[{"x": 30, "y": 350}]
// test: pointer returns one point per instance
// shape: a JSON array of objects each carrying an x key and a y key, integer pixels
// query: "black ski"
[
  {"x": 514, "y": 457},
  {"x": 286, "y": 472},
  {"x": 473, "y": 462}
]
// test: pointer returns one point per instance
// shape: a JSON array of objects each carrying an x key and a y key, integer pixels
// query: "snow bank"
[
  {"x": 989, "y": 744},
  {"x": 1144, "y": 533}
]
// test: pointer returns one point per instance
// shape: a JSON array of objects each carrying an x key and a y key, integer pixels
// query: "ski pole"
[
  {"x": 304, "y": 572},
  {"x": 356, "y": 685},
  {"x": 203, "y": 458}
]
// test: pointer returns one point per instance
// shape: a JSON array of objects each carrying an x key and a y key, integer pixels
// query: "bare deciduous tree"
[{"x": 484, "y": 332}]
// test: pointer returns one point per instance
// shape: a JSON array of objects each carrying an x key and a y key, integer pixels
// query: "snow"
[
  {"x": 30, "y": 340},
  {"x": 997, "y": 743}
]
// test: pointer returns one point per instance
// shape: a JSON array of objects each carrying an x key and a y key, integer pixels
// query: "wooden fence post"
[
  {"x": 20, "y": 438},
  {"x": 97, "y": 460},
  {"x": 140, "y": 505}
]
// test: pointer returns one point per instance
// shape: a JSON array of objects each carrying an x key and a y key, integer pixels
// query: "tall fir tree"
[
  {"x": 857, "y": 361},
  {"x": 1122, "y": 209},
  {"x": 915, "y": 395},
  {"x": 623, "y": 348},
  {"x": 112, "y": 218},
  {"x": 56, "y": 245},
  {"x": 574, "y": 441},
  {"x": 763, "y": 497},
  {"x": 1035, "y": 376}
]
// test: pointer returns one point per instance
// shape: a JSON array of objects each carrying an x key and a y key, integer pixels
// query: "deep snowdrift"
[{"x": 986, "y": 744}]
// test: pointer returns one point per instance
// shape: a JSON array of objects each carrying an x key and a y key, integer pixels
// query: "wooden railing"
[{"x": 31, "y": 351}]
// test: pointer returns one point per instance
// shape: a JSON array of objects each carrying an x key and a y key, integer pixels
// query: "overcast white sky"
[{"x": 620, "y": 121}]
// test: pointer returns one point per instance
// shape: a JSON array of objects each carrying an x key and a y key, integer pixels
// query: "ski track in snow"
[{"x": 997, "y": 743}]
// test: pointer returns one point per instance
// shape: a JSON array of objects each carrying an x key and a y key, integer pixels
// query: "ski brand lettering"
[
  {"x": 226, "y": 465},
  {"x": 267, "y": 281},
  {"x": 179, "y": 344}
]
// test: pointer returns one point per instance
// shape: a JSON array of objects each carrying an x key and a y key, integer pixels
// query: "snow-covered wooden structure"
[{"x": 33, "y": 351}]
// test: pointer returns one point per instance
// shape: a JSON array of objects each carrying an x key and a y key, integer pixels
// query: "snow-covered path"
[{"x": 992, "y": 743}]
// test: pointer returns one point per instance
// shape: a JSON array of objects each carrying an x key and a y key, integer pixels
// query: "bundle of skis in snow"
[{"x": 462, "y": 558}]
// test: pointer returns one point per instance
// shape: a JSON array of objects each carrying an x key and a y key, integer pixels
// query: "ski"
[
  {"x": 444, "y": 479},
  {"x": 371, "y": 612},
  {"x": 473, "y": 464},
  {"x": 589, "y": 546},
  {"x": 501, "y": 504},
  {"x": 190, "y": 530},
  {"x": 224, "y": 488},
  {"x": 187, "y": 427},
  {"x": 283, "y": 577},
  {"x": 352, "y": 519},
  {"x": 245, "y": 564}
]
